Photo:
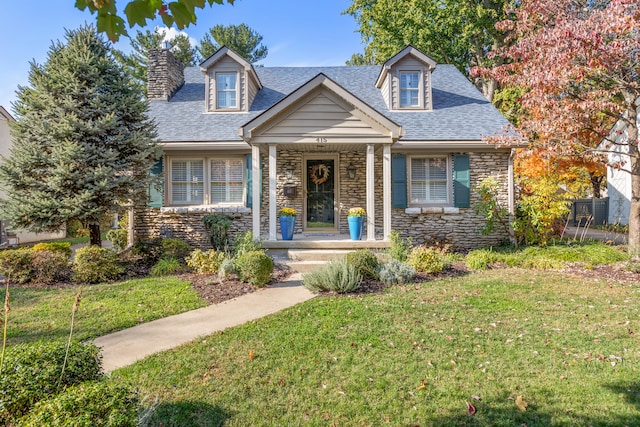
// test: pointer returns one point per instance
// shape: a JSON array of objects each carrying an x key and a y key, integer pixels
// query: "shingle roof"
[{"x": 460, "y": 112}]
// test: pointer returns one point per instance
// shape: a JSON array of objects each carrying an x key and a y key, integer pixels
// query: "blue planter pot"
[
  {"x": 287, "y": 225},
  {"x": 356, "y": 225}
]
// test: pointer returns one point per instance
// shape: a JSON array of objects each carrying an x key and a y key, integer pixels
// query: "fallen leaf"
[
  {"x": 521, "y": 404},
  {"x": 251, "y": 354},
  {"x": 471, "y": 409},
  {"x": 421, "y": 386}
]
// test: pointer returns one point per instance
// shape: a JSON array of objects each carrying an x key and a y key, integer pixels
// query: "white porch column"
[
  {"x": 255, "y": 190},
  {"x": 386, "y": 190},
  {"x": 371, "y": 197},
  {"x": 272, "y": 192}
]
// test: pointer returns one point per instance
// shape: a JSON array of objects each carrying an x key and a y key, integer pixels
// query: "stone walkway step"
[{"x": 125, "y": 347}]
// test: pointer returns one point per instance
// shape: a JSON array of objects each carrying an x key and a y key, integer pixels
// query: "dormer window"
[
  {"x": 227, "y": 90},
  {"x": 409, "y": 89}
]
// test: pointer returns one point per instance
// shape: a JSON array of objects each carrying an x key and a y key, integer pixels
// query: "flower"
[
  {"x": 357, "y": 212},
  {"x": 287, "y": 212}
]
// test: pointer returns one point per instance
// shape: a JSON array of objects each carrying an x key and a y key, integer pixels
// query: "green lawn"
[
  {"x": 569, "y": 346},
  {"x": 38, "y": 313}
]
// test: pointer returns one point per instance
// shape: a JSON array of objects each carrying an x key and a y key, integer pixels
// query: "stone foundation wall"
[{"x": 458, "y": 227}]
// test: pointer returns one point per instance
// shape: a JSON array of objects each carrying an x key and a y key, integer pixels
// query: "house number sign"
[{"x": 321, "y": 140}]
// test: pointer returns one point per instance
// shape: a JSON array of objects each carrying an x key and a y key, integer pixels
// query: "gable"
[{"x": 320, "y": 111}]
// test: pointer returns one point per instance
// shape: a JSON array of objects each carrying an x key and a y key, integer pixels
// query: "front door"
[{"x": 321, "y": 196}]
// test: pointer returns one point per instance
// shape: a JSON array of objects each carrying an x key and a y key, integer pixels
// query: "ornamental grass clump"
[
  {"x": 365, "y": 261},
  {"x": 338, "y": 276}
]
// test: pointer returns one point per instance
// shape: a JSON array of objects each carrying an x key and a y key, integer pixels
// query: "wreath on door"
[{"x": 319, "y": 174}]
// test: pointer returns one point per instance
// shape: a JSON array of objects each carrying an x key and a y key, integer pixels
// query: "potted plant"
[
  {"x": 356, "y": 222},
  {"x": 287, "y": 223}
]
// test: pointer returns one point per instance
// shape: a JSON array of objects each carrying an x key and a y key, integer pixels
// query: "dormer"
[
  {"x": 405, "y": 80},
  {"x": 231, "y": 82}
]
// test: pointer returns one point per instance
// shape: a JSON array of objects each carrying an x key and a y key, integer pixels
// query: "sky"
[{"x": 297, "y": 32}]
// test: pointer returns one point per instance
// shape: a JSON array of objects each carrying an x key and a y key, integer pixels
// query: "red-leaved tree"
[{"x": 578, "y": 63}]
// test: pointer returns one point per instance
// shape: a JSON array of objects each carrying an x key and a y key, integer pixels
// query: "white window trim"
[
  {"x": 206, "y": 188},
  {"x": 237, "y": 90},
  {"x": 449, "y": 201},
  {"x": 421, "y": 89}
]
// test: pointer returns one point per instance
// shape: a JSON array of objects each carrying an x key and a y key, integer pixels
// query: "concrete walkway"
[{"x": 130, "y": 345}]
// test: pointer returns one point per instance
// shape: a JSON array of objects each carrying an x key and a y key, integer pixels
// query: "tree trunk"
[
  {"x": 634, "y": 214},
  {"x": 596, "y": 184},
  {"x": 94, "y": 233}
]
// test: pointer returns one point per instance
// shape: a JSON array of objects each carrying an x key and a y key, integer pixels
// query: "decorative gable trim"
[
  {"x": 409, "y": 50},
  {"x": 4, "y": 113},
  {"x": 388, "y": 130}
]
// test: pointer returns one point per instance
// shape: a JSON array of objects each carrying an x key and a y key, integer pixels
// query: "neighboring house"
[
  {"x": 403, "y": 140},
  {"x": 6, "y": 235},
  {"x": 618, "y": 175}
]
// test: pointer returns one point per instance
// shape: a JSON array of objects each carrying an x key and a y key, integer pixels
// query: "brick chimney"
[{"x": 165, "y": 74}]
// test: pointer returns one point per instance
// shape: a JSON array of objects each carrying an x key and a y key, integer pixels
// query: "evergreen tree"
[
  {"x": 81, "y": 141},
  {"x": 136, "y": 62},
  {"x": 240, "y": 38}
]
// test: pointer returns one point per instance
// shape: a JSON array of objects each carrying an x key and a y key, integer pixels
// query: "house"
[
  {"x": 403, "y": 140},
  {"x": 618, "y": 174},
  {"x": 6, "y": 235}
]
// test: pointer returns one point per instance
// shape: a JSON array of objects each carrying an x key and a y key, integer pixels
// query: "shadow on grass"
[
  {"x": 189, "y": 413},
  {"x": 535, "y": 416},
  {"x": 630, "y": 391}
]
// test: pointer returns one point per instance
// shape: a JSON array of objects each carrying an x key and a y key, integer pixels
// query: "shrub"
[
  {"x": 149, "y": 250},
  {"x": 338, "y": 276},
  {"x": 49, "y": 266},
  {"x": 205, "y": 262},
  {"x": 91, "y": 404},
  {"x": 61, "y": 247},
  {"x": 74, "y": 227},
  {"x": 94, "y": 264},
  {"x": 481, "y": 259},
  {"x": 395, "y": 272},
  {"x": 246, "y": 243},
  {"x": 227, "y": 267},
  {"x": 167, "y": 266},
  {"x": 218, "y": 227},
  {"x": 427, "y": 260},
  {"x": 254, "y": 267},
  {"x": 175, "y": 248},
  {"x": 365, "y": 262},
  {"x": 118, "y": 238},
  {"x": 32, "y": 371},
  {"x": 400, "y": 248},
  {"x": 16, "y": 264}
]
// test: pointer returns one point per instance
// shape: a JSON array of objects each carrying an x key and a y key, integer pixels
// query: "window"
[
  {"x": 409, "y": 89},
  {"x": 226, "y": 90},
  {"x": 208, "y": 181},
  {"x": 187, "y": 181},
  {"x": 227, "y": 184},
  {"x": 429, "y": 180}
]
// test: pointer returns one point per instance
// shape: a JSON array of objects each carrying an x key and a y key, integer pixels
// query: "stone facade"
[
  {"x": 165, "y": 74},
  {"x": 456, "y": 226}
]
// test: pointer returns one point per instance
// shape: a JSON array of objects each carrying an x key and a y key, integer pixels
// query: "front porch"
[{"x": 323, "y": 241}]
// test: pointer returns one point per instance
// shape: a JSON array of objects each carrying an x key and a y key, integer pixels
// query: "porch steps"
[{"x": 306, "y": 260}]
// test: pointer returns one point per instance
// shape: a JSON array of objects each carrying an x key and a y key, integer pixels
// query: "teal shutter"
[
  {"x": 249, "y": 182},
  {"x": 398, "y": 181},
  {"x": 154, "y": 192},
  {"x": 461, "y": 181}
]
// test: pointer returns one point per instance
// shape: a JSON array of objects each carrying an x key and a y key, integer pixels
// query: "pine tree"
[
  {"x": 81, "y": 141},
  {"x": 242, "y": 39}
]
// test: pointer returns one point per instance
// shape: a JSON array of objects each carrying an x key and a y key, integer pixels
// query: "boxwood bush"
[
  {"x": 175, "y": 248},
  {"x": 90, "y": 404},
  {"x": 94, "y": 264},
  {"x": 60, "y": 247},
  {"x": 426, "y": 260},
  {"x": 32, "y": 372},
  {"x": 17, "y": 265},
  {"x": 255, "y": 267},
  {"x": 49, "y": 266},
  {"x": 365, "y": 261}
]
